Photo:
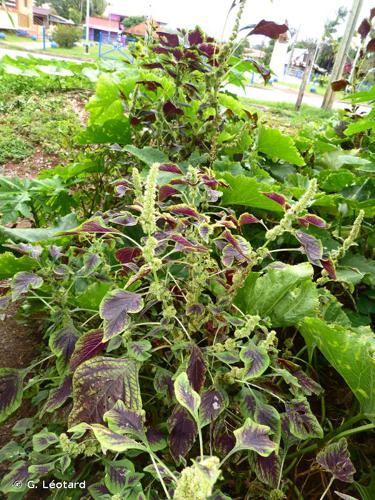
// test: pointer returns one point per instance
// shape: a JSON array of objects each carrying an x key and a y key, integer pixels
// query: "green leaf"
[
  {"x": 233, "y": 104},
  {"x": 110, "y": 132},
  {"x": 286, "y": 295},
  {"x": 43, "y": 439},
  {"x": 147, "y": 155},
  {"x": 186, "y": 395},
  {"x": 93, "y": 295},
  {"x": 247, "y": 191},
  {"x": 277, "y": 145},
  {"x": 351, "y": 352},
  {"x": 10, "y": 265},
  {"x": 112, "y": 441},
  {"x": 11, "y": 390}
]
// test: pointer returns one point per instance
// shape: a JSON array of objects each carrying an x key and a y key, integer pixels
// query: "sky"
[{"x": 211, "y": 14}]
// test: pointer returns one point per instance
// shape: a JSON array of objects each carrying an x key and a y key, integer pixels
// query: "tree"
[
  {"x": 128, "y": 22},
  {"x": 63, "y": 8},
  {"x": 329, "y": 45}
]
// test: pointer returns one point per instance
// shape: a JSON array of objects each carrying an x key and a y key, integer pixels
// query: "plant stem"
[
  {"x": 349, "y": 432},
  {"x": 328, "y": 487},
  {"x": 200, "y": 441},
  {"x": 160, "y": 477}
]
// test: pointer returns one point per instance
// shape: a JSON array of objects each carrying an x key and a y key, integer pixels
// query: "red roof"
[{"x": 105, "y": 24}]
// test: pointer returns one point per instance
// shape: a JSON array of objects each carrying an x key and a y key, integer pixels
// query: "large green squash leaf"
[
  {"x": 351, "y": 352},
  {"x": 11, "y": 265},
  {"x": 99, "y": 383},
  {"x": 247, "y": 191},
  {"x": 286, "y": 294},
  {"x": 277, "y": 145},
  {"x": 147, "y": 155}
]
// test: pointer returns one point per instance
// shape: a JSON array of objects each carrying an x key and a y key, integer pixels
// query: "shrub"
[{"x": 67, "y": 36}]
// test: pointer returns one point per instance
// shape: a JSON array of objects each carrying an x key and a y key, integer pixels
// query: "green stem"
[
  {"x": 160, "y": 477},
  {"x": 200, "y": 441},
  {"x": 327, "y": 489},
  {"x": 349, "y": 432}
]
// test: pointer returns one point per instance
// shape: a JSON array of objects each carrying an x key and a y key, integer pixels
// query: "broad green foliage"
[
  {"x": 277, "y": 145},
  {"x": 10, "y": 264},
  {"x": 350, "y": 352}
]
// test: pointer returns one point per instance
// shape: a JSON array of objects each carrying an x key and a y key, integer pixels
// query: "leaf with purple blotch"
[
  {"x": 158, "y": 50},
  {"x": 88, "y": 345},
  {"x": 267, "y": 469},
  {"x": 266, "y": 414},
  {"x": 170, "y": 167},
  {"x": 16, "y": 479},
  {"x": 115, "y": 308},
  {"x": 248, "y": 402},
  {"x": 99, "y": 491},
  {"x": 139, "y": 350},
  {"x": 255, "y": 359},
  {"x": 33, "y": 251},
  {"x": 247, "y": 218},
  {"x": 196, "y": 369},
  {"x": 163, "y": 382},
  {"x": 312, "y": 247},
  {"x": 329, "y": 267},
  {"x": 239, "y": 249},
  {"x": 195, "y": 310},
  {"x": 125, "y": 219},
  {"x": 58, "y": 396},
  {"x": 307, "y": 384},
  {"x": 92, "y": 261},
  {"x": 99, "y": 383},
  {"x": 278, "y": 198},
  {"x": 195, "y": 37},
  {"x": 314, "y": 220},
  {"x": 43, "y": 439},
  {"x": 121, "y": 477},
  {"x": 122, "y": 420},
  {"x": 335, "y": 458},
  {"x": 183, "y": 244},
  {"x": 150, "y": 84},
  {"x": 370, "y": 47},
  {"x": 269, "y": 29},
  {"x": 4, "y": 302},
  {"x": 55, "y": 252},
  {"x": 155, "y": 439},
  {"x": 168, "y": 39},
  {"x": 302, "y": 422},
  {"x": 208, "y": 49},
  {"x": 213, "y": 194},
  {"x": 167, "y": 191},
  {"x": 95, "y": 225},
  {"x": 364, "y": 28},
  {"x": 127, "y": 254},
  {"x": 184, "y": 210},
  {"x": 213, "y": 403},
  {"x": 113, "y": 441},
  {"x": 228, "y": 357},
  {"x": 41, "y": 470},
  {"x": 224, "y": 439},
  {"x": 182, "y": 432},
  {"x": 11, "y": 381},
  {"x": 171, "y": 110},
  {"x": 186, "y": 395},
  {"x": 253, "y": 436},
  {"x": 62, "y": 342},
  {"x": 23, "y": 282}
]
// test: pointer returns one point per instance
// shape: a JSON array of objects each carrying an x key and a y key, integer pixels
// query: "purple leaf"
[
  {"x": 11, "y": 381},
  {"x": 212, "y": 404},
  {"x": 34, "y": 251},
  {"x": 185, "y": 394},
  {"x": 312, "y": 247},
  {"x": 256, "y": 360},
  {"x": 370, "y": 48},
  {"x": 62, "y": 342},
  {"x": 335, "y": 458},
  {"x": 127, "y": 254},
  {"x": 99, "y": 383},
  {"x": 269, "y": 28},
  {"x": 182, "y": 432},
  {"x": 125, "y": 219},
  {"x": 262, "y": 70},
  {"x": 208, "y": 49},
  {"x": 23, "y": 282},
  {"x": 168, "y": 39},
  {"x": 339, "y": 85},
  {"x": 170, "y": 167},
  {"x": 123, "y": 420},
  {"x": 308, "y": 385},
  {"x": 114, "y": 309},
  {"x": 163, "y": 382},
  {"x": 171, "y": 110},
  {"x": 167, "y": 191},
  {"x": 150, "y": 84},
  {"x": 4, "y": 302},
  {"x": 329, "y": 267},
  {"x": 186, "y": 245},
  {"x": 278, "y": 198},
  {"x": 91, "y": 263},
  {"x": 267, "y": 415},
  {"x": 195, "y": 37},
  {"x": 156, "y": 439},
  {"x": 88, "y": 345},
  {"x": 154, "y": 65},
  {"x": 95, "y": 225},
  {"x": 238, "y": 249},
  {"x": 139, "y": 350},
  {"x": 184, "y": 210},
  {"x": 302, "y": 423},
  {"x": 195, "y": 309},
  {"x": 196, "y": 369},
  {"x": 224, "y": 440},
  {"x": 364, "y": 28},
  {"x": 158, "y": 50},
  {"x": 247, "y": 218},
  {"x": 267, "y": 469},
  {"x": 314, "y": 220},
  {"x": 16, "y": 480},
  {"x": 253, "y": 436},
  {"x": 58, "y": 396}
]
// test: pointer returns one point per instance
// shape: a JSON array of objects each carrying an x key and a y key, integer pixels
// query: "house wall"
[{"x": 18, "y": 15}]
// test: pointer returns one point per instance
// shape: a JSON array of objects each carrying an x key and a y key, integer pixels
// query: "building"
[
  {"x": 44, "y": 18},
  {"x": 108, "y": 27},
  {"x": 16, "y": 15}
]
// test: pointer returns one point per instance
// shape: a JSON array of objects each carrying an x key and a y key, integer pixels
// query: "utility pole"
[
  {"x": 87, "y": 25},
  {"x": 306, "y": 75},
  {"x": 342, "y": 53}
]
